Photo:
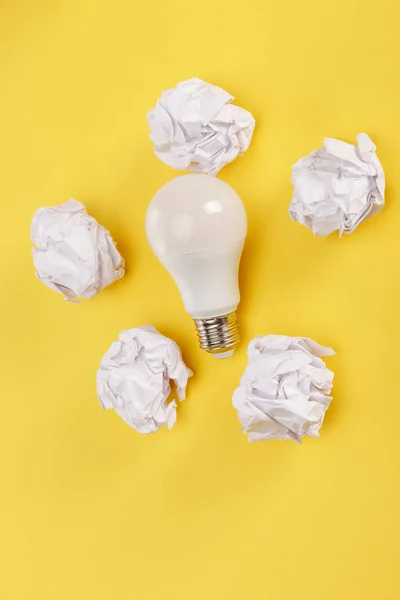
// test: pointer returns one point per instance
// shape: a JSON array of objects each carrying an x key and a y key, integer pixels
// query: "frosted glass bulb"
[{"x": 196, "y": 226}]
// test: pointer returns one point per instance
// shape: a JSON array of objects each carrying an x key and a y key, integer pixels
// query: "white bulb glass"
[{"x": 196, "y": 226}]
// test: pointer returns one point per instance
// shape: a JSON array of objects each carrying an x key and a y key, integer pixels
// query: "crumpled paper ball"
[
  {"x": 284, "y": 391},
  {"x": 194, "y": 126},
  {"x": 73, "y": 255},
  {"x": 338, "y": 186},
  {"x": 134, "y": 378}
]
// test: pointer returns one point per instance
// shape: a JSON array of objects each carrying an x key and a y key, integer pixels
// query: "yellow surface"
[{"x": 89, "y": 508}]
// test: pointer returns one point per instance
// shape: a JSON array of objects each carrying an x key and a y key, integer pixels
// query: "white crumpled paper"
[
  {"x": 284, "y": 391},
  {"x": 74, "y": 254},
  {"x": 194, "y": 126},
  {"x": 338, "y": 186},
  {"x": 134, "y": 378}
]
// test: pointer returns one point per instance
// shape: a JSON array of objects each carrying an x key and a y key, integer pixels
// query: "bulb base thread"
[{"x": 218, "y": 335}]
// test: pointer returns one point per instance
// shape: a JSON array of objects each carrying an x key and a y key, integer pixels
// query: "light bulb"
[{"x": 196, "y": 226}]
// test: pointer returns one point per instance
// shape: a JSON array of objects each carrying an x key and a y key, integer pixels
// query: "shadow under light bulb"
[{"x": 196, "y": 226}]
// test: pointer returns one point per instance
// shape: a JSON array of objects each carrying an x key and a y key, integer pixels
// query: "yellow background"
[{"x": 89, "y": 508}]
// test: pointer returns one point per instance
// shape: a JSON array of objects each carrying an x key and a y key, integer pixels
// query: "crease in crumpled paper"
[
  {"x": 194, "y": 126},
  {"x": 338, "y": 186},
  {"x": 73, "y": 255},
  {"x": 135, "y": 379},
  {"x": 285, "y": 389}
]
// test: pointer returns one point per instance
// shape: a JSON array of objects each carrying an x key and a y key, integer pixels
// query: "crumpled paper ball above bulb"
[
  {"x": 73, "y": 255},
  {"x": 284, "y": 391},
  {"x": 338, "y": 186},
  {"x": 194, "y": 126},
  {"x": 135, "y": 379}
]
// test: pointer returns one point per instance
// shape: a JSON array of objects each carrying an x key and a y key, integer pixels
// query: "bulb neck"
[{"x": 218, "y": 335}]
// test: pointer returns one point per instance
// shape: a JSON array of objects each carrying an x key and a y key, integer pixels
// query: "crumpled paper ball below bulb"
[
  {"x": 285, "y": 389},
  {"x": 135, "y": 379}
]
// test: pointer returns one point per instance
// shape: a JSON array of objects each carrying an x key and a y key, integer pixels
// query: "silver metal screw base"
[{"x": 218, "y": 335}]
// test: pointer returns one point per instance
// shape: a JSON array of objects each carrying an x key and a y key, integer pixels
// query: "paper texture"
[
  {"x": 194, "y": 126},
  {"x": 284, "y": 391},
  {"x": 134, "y": 379},
  {"x": 73, "y": 254},
  {"x": 338, "y": 186}
]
